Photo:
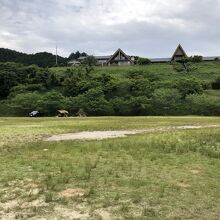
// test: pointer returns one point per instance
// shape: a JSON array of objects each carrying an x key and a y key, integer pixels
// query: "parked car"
[{"x": 34, "y": 113}]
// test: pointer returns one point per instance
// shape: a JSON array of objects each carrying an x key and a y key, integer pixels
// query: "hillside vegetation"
[
  {"x": 42, "y": 59},
  {"x": 154, "y": 89}
]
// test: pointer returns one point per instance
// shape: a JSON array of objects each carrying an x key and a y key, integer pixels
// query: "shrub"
[
  {"x": 143, "y": 61},
  {"x": 50, "y": 102},
  {"x": 194, "y": 59},
  {"x": 8, "y": 79},
  {"x": 203, "y": 104},
  {"x": 141, "y": 87},
  {"x": 24, "y": 103},
  {"x": 131, "y": 106},
  {"x": 166, "y": 101},
  {"x": 90, "y": 61},
  {"x": 216, "y": 84},
  {"x": 189, "y": 86},
  {"x": 93, "y": 102},
  {"x": 26, "y": 88},
  {"x": 178, "y": 66}
]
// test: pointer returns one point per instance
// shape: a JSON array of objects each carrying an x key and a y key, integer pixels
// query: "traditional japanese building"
[
  {"x": 119, "y": 58},
  {"x": 102, "y": 60},
  {"x": 179, "y": 54}
]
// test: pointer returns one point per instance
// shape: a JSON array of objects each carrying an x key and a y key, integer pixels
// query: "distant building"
[
  {"x": 159, "y": 60},
  {"x": 102, "y": 60},
  {"x": 120, "y": 58},
  {"x": 74, "y": 63},
  {"x": 216, "y": 58},
  {"x": 179, "y": 54}
]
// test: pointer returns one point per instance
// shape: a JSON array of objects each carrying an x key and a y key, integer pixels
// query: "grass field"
[
  {"x": 206, "y": 71},
  {"x": 155, "y": 175}
]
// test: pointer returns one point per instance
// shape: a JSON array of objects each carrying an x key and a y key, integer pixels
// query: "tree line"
[
  {"x": 27, "y": 88},
  {"x": 42, "y": 59}
]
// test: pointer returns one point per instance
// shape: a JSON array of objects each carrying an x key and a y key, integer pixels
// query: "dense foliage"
[
  {"x": 143, "y": 61},
  {"x": 42, "y": 59},
  {"x": 155, "y": 89},
  {"x": 76, "y": 55}
]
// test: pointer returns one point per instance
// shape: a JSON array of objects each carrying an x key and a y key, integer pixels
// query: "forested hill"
[
  {"x": 153, "y": 89},
  {"x": 42, "y": 59}
]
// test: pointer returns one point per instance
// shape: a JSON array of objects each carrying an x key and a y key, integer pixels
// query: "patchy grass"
[
  {"x": 205, "y": 71},
  {"x": 14, "y": 131},
  {"x": 215, "y": 93},
  {"x": 161, "y": 175}
]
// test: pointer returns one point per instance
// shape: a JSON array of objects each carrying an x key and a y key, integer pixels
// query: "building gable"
[
  {"x": 119, "y": 56},
  {"x": 179, "y": 53}
]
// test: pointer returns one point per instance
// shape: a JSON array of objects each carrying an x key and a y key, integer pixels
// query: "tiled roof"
[
  {"x": 158, "y": 60},
  {"x": 210, "y": 58},
  {"x": 81, "y": 58},
  {"x": 102, "y": 57}
]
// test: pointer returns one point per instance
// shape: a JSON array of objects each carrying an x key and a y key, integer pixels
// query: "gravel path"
[{"x": 100, "y": 135}]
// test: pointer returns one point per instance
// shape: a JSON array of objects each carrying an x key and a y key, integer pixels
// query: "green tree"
[
  {"x": 89, "y": 62},
  {"x": 24, "y": 103},
  {"x": 131, "y": 106},
  {"x": 42, "y": 59},
  {"x": 143, "y": 61},
  {"x": 50, "y": 102},
  {"x": 203, "y": 104},
  {"x": 141, "y": 87},
  {"x": 189, "y": 86},
  {"x": 216, "y": 83},
  {"x": 76, "y": 55},
  {"x": 166, "y": 101},
  {"x": 93, "y": 102},
  {"x": 8, "y": 79},
  {"x": 77, "y": 82},
  {"x": 194, "y": 59},
  {"x": 23, "y": 88}
]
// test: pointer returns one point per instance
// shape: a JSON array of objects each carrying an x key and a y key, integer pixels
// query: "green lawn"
[{"x": 157, "y": 175}]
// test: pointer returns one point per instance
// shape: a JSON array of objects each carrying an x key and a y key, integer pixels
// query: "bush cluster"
[{"x": 24, "y": 89}]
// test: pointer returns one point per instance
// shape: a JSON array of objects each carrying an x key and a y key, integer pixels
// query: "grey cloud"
[{"x": 97, "y": 27}]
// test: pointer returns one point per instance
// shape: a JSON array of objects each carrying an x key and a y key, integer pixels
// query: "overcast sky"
[{"x": 150, "y": 28}]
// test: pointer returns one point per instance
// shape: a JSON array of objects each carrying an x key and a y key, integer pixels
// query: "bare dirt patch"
[
  {"x": 8, "y": 216},
  {"x": 103, "y": 214},
  {"x": 195, "y": 171},
  {"x": 70, "y": 193},
  {"x": 35, "y": 203},
  {"x": 93, "y": 135},
  {"x": 67, "y": 213},
  {"x": 183, "y": 185},
  {"x": 18, "y": 208},
  {"x": 23, "y": 126},
  {"x": 22, "y": 204},
  {"x": 100, "y": 135},
  {"x": 9, "y": 205}
]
